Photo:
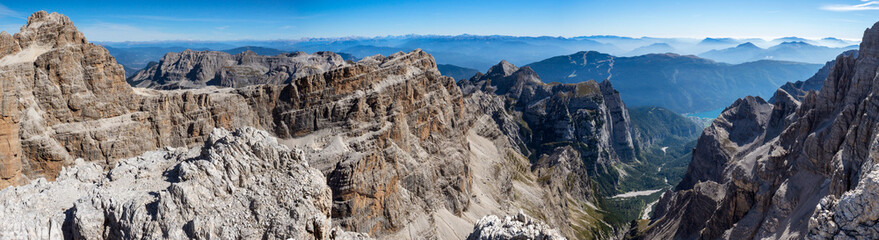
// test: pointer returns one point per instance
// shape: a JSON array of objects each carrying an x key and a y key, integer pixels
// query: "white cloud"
[
  {"x": 222, "y": 28},
  {"x": 113, "y": 32},
  {"x": 6, "y": 12},
  {"x": 866, "y": 5}
]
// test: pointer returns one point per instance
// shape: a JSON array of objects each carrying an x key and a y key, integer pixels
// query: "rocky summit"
[{"x": 792, "y": 169}]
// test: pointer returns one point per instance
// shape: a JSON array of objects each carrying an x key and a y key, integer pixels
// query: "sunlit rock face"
[{"x": 789, "y": 170}]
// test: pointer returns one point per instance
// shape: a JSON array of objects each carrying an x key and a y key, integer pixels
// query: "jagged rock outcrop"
[
  {"x": 399, "y": 122},
  {"x": 520, "y": 226},
  {"x": 196, "y": 69},
  {"x": 504, "y": 180},
  {"x": 737, "y": 130},
  {"x": 241, "y": 183},
  {"x": 577, "y": 137},
  {"x": 807, "y": 171},
  {"x": 587, "y": 117}
]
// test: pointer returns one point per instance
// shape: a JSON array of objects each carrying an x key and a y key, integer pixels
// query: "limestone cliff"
[{"x": 789, "y": 170}]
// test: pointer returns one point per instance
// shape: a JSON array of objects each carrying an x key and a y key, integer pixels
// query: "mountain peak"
[
  {"x": 41, "y": 16},
  {"x": 503, "y": 68},
  {"x": 747, "y": 45},
  {"x": 870, "y": 43},
  {"x": 49, "y": 30}
]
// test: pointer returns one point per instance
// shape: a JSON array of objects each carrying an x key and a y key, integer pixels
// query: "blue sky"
[{"x": 237, "y": 20}]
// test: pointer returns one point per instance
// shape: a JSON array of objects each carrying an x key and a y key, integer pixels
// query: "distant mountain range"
[
  {"x": 481, "y": 52},
  {"x": 684, "y": 84},
  {"x": 680, "y": 83},
  {"x": 652, "y": 48},
  {"x": 787, "y": 51}
]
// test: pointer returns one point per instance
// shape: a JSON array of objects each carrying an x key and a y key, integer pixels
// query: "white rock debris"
[
  {"x": 520, "y": 226},
  {"x": 240, "y": 184}
]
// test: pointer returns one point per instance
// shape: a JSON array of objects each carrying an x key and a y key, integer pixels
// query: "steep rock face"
[
  {"x": 195, "y": 69},
  {"x": 51, "y": 76},
  {"x": 587, "y": 116},
  {"x": 180, "y": 193},
  {"x": 504, "y": 180},
  {"x": 390, "y": 134},
  {"x": 807, "y": 174},
  {"x": 735, "y": 131}
]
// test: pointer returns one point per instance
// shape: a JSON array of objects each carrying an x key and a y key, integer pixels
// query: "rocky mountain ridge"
[
  {"x": 195, "y": 69},
  {"x": 788, "y": 170},
  {"x": 589, "y": 113},
  {"x": 583, "y": 128},
  {"x": 391, "y": 136}
]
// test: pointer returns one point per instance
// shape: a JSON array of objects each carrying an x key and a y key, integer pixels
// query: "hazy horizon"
[
  {"x": 460, "y": 35},
  {"x": 295, "y": 20}
]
